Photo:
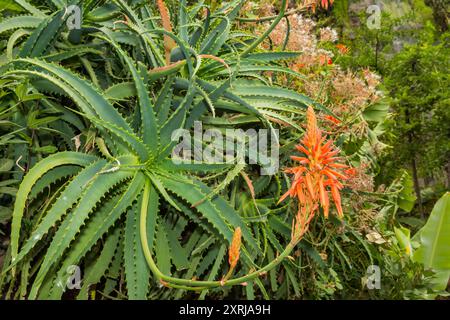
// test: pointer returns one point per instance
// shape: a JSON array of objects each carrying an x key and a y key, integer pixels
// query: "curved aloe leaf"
[{"x": 30, "y": 179}]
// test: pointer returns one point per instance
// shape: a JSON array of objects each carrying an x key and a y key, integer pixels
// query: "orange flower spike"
[
  {"x": 318, "y": 170},
  {"x": 339, "y": 166},
  {"x": 337, "y": 199},
  {"x": 235, "y": 247}
]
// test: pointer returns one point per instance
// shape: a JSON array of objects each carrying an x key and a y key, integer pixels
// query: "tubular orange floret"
[{"x": 324, "y": 198}]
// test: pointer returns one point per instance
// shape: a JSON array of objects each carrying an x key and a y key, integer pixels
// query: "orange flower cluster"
[{"x": 318, "y": 174}]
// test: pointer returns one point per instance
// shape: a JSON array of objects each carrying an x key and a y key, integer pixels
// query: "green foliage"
[
  {"x": 416, "y": 81},
  {"x": 411, "y": 55}
]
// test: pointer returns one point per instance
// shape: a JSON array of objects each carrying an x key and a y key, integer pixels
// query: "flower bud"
[{"x": 233, "y": 253}]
